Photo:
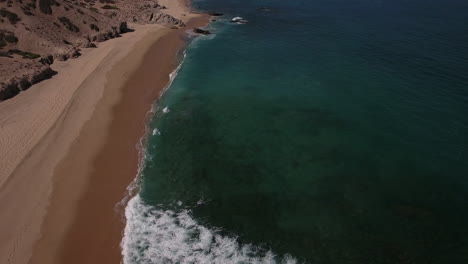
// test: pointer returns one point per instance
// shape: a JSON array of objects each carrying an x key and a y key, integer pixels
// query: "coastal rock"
[
  {"x": 113, "y": 33},
  {"x": 201, "y": 31},
  {"x": 14, "y": 86},
  {"x": 62, "y": 27},
  {"x": 123, "y": 28},
  {"x": 72, "y": 53},
  {"x": 9, "y": 90},
  {"x": 75, "y": 53},
  {"x": 215, "y": 14},
  {"x": 47, "y": 60},
  {"x": 89, "y": 45},
  {"x": 62, "y": 57},
  {"x": 165, "y": 19},
  {"x": 44, "y": 74}
]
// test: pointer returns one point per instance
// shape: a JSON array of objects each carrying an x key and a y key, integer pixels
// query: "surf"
[{"x": 157, "y": 235}]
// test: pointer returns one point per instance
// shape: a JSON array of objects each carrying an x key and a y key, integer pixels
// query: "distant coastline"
[{"x": 69, "y": 145}]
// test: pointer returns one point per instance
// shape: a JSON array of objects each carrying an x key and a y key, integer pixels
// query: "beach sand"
[{"x": 69, "y": 146}]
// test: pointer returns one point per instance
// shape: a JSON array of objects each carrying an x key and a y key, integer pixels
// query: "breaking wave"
[{"x": 155, "y": 235}]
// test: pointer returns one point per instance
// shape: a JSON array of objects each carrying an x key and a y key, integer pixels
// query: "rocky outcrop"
[
  {"x": 32, "y": 28},
  {"x": 14, "y": 86},
  {"x": 6, "y": 38},
  {"x": 70, "y": 54},
  {"x": 68, "y": 24},
  {"x": 47, "y": 60},
  {"x": 113, "y": 33},
  {"x": 215, "y": 14},
  {"x": 9, "y": 90},
  {"x": 165, "y": 19},
  {"x": 201, "y": 31},
  {"x": 45, "y": 73},
  {"x": 46, "y": 6},
  {"x": 123, "y": 28}
]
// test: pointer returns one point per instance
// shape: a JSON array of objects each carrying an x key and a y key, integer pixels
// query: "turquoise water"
[{"x": 325, "y": 131}]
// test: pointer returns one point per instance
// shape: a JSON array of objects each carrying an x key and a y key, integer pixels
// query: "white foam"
[
  {"x": 154, "y": 235},
  {"x": 156, "y": 132}
]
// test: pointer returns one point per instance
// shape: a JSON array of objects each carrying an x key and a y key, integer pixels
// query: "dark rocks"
[
  {"x": 265, "y": 9},
  {"x": 158, "y": 6},
  {"x": 90, "y": 45},
  {"x": 94, "y": 27},
  {"x": 165, "y": 19},
  {"x": 75, "y": 53},
  {"x": 113, "y": 33},
  {"x": 62, "y": 57},
  {"x": 201, "y": 31},
  {"x": 9, "y": 90},
  {"x": 68, "y": 24},
  {"x": 24, "y": 83},
  {"x": 11, "y": 38},
  {"x": 12, "y": 17},
  {"x": 47, "y": 60},
  {"x": 215, "y": 14},
  {"x": 72, "y": 53},
  {"x": 45, "y": 74},
  {"x": 46, "y": 6},
  {"x": 123, "y": 28},
  {"x": 7, "y": 37},
  {"x": 14, "y": 86}
]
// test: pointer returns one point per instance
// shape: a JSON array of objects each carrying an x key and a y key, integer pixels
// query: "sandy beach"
[{"x": 69, "y": 146}]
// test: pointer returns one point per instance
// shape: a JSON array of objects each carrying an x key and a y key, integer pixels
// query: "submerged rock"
[
  {"x": 265, "y": 9},
  {"x": 215, "y": 14},
  {"x": 201, "y": 31}
]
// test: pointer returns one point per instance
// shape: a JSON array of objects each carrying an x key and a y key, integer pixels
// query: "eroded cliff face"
[{"x": 35, "y": 33}]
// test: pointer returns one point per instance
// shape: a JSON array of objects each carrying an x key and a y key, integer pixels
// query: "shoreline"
[
  {"x": 78, "y": 150},
  {"x": 95, "y": 233}
]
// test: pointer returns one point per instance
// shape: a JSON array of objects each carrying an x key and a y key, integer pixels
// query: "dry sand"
[{"x": 68, "y": 147}]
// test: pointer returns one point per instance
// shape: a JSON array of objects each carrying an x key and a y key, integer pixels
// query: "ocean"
[{"x": 322, "y": 131}]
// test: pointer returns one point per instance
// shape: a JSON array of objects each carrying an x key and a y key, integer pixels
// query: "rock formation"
[
  {"x": 31, "y": 29},
  {"x": 201, "y": 31}
]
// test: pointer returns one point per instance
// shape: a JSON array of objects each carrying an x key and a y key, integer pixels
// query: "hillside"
[{"x": 34, "y": 33}]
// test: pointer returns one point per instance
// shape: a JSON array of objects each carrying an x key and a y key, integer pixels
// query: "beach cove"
[{"x": 69, "y": 146}]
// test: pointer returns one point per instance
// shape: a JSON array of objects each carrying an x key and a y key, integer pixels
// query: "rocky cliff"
[{"x": 34, "y": 33}]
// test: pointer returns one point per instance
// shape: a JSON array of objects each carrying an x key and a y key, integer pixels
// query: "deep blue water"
[{"x": 334, "y": 131}]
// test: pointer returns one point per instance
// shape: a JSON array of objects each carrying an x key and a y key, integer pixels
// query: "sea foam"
[
  {"x": 154, "y": 235},
  {"x": 156, "y": 132}
]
